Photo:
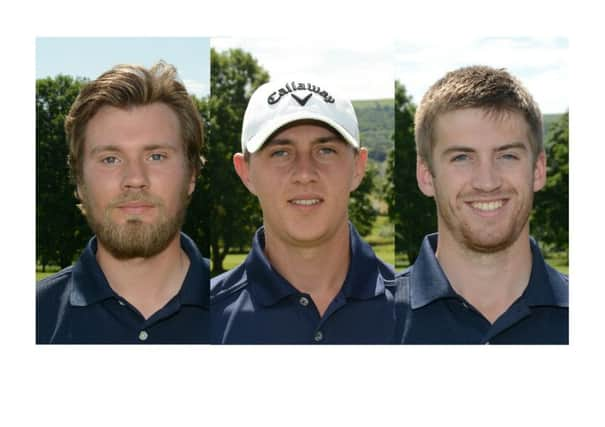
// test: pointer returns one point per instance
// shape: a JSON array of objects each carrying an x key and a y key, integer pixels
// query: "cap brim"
[{"x": 255, "y": 143}]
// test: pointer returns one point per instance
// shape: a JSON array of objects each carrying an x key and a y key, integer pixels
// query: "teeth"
[
  {"x": 487, "y": 206},
  {"x": 306, "y": 202}
]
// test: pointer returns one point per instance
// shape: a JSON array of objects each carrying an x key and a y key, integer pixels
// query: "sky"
[
  {"x": 365, "y": 68},
  {"x": 90, "y": 57},
  {"x": 360, "y": 68},
  {"x": 540, "y": 63}
]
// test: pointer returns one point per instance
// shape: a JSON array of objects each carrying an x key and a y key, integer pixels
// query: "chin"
[{"x": 489, "y": 243}]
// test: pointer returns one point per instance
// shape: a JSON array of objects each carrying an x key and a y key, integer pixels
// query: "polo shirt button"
[
  {"x": 304, "y": 301},
  {"x": 318, "y": 336},
  {"x": 143, "y": 335}
]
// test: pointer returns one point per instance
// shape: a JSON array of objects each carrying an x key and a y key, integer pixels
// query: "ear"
[
  {"x": 424, "y": 177},
  {"x": 361, "y": 160},
  {"x": 540, "y": 172},
  {"x": 192, "y": 180},
  {"x": 242, "y": 168},
  {"x": 79, "y": 191}
]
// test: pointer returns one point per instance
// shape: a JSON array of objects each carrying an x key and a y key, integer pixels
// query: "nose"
[
  {"x": 486, "y": 176},
  {"x": 305, "y": 169},
  {"x": 135, "y": 175}
]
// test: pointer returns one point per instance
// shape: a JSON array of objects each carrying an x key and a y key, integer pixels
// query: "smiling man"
[
  {"x": 135, "y": 140},
  {"x": 309, "y": 277},
  {"x": 481, "y": 279}
]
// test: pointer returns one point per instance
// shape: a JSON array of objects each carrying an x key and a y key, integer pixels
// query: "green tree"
[
  {"x": 61, "y": 231},
  {"x": 412, "y": 213},
  {"x": 550, "y": 217},
  {"x": 234, "y": 212},
  {"x": 361, "y": 211},
  {"x": 197, "y": 222}
]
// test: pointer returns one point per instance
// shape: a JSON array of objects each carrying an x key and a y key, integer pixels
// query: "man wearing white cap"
[{"x": 309, "y": 277}]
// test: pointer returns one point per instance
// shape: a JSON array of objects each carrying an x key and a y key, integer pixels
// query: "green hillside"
[
  {"x": 548, "y": 120},
  {"x": 376, "y": 125}
]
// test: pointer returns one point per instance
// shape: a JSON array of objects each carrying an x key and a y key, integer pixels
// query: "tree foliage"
[
  {"x": 550, "y": 217},
  {"x": 234, "y": 212},
  {"x": 412, "y": 213},
  {"x": 361, "y": 210},
  {"x": 61, "y": 231},
  {"x": 197, "y": 222}
]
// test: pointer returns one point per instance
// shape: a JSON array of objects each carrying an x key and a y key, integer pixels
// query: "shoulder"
[
  {"x": 556, "y": 276},
  {"x": 53, "y": 285},
  {"x": 559, "y": 284},
  {"x": 52, "y": 295},
  {"x": 228, "y": 284}
]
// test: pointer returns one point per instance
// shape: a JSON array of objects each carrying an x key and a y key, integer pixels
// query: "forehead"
[
  {"x": 480, "y": 128},
  {"x": 154, "y": 123},
  {"x": 303, "y": 131}
]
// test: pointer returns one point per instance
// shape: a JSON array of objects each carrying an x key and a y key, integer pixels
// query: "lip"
[
  {"x": 306, "y": 201},
  {"x": 134, "y": 208},
  {"x": 487, "y": 207}
]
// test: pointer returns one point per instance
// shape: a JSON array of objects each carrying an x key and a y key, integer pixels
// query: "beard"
[
  {"x": 482, "y": 238},
  {"x": 135, "y": 238}
]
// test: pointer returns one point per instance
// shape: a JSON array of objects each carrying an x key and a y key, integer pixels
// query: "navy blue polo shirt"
[
  {"x": 434, "y": 313},
  {"x": 254, "y": 304},
  {"x": 77, "y": 306}
]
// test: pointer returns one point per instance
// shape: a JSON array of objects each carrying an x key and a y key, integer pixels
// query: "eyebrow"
[
  {"x": 111, "y": 147},
  {"x": 320, "y": 140},
  {"x": 464, "y": 149},
  {"x": 511, "y": 146}
]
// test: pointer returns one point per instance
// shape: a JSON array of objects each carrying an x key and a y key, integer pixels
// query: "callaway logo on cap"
[{"x": 276, "y": 104}]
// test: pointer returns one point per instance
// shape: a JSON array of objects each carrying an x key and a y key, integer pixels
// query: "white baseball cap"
[{"x": 278, "y": 103}]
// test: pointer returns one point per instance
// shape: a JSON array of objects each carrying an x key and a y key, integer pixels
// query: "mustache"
[{"x": 139, "y": 196}]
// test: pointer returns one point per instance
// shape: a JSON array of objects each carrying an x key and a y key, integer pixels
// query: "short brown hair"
[
  {"x": 126, "y": 86},
  {"x": 494, "y": 90}
]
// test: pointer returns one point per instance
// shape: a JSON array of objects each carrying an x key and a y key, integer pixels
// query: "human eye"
[
  {"x": 326, "y": 151},
  {"x": 110, "y": 160},
  {"x": 509, "y": 156},
  {"x": 279, "y": 153},
  {"x": 157, "y": 157},
  {"x": 460, "y": 157}
]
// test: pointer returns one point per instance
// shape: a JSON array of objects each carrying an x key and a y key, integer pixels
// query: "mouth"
[
  {"x": 135, "y": 208},
  {"x": 306, "y": 201},
  {"x": 487, "y": 206}
]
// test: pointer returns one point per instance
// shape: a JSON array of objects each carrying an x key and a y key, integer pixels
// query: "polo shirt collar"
[
  {"x": 547, "y": 287},
  {"x": 363, "y": 279},
  {"x": 429, "y": 282},
  {"x": 196, "y": 286},
  {"x": 89, "y": 284}
]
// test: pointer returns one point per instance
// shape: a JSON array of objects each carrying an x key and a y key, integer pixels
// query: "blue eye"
[
  {"x": 326, "y": 150},
  {"x": 110, "y": 160},
  {"x": 460, "y": 158},
  {"x": 157, "y": 157},
  {"x": 279, "y": 153},
  {"x": 508, "y": 156}
]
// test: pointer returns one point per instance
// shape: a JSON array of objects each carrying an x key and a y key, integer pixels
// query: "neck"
[
  {"x": 491, "y": 282},
  {"x": 146, "y": 283},
  {"x": 312, "y": 269}
]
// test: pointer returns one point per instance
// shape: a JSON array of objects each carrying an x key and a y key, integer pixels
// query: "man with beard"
[
  {"x": 481, "y": 279},
  {"x": 135, "y": 140}
]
